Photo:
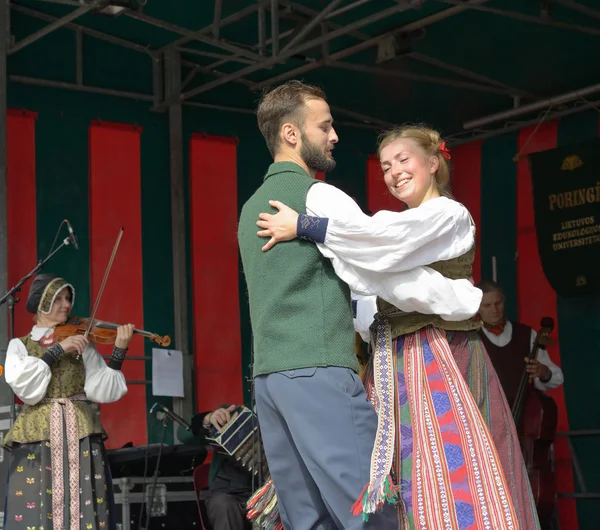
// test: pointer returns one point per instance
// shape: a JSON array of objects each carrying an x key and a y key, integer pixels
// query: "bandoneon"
[{"x": 240, "y": 439}]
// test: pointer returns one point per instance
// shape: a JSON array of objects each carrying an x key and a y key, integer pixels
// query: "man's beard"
[{"x": 314, "y": 158}]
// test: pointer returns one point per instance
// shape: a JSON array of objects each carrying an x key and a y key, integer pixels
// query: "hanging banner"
[
  {"x": 566, "y": 200},
  {"x": 215, "y": 293}
]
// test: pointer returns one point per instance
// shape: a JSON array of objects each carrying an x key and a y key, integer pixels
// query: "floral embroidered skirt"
[
  {"x": 458, "y": 494},
  {"x": 30, "y": 489}
]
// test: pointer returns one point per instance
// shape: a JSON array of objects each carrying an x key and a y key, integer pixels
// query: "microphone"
[
  {"x": 175, "y": 417},
  {"x": 72, "y": 235}
]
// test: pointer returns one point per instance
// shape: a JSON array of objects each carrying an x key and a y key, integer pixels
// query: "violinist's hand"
[
  {"x": 74, "y": 343},
  {"x": 220, "y": 417},
  {"x": 279, "y": 227},
  {"x": 124, "y": 335},
  {"x": 537, "y": 369}
]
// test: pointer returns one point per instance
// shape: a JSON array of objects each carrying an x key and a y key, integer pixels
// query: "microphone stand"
[
  {"x": 10, "y": 300},
  {"x": 166, "y": 414},
  {"x": 154, "y": 482}
]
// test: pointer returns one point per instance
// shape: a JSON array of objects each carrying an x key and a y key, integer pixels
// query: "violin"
[
  {"x": 97, "y": 330},
  {"x": 101, "y": 332},
  {"x": 536, "y": 419}
]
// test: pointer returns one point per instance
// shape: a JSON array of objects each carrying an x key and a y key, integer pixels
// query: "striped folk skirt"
[{"x": 454, "y": 459}]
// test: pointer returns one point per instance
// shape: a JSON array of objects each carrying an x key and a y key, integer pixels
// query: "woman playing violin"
[{"x": 59, "y": 476}]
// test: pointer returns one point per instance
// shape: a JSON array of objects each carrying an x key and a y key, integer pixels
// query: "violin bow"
[{"x": 106, "y": 272}]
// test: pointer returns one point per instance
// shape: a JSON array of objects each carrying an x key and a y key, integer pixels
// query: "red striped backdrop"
[
  {"x": 466, "y": 187},
  {"x": 115, "y": 202},
  {"x": 215, "y": 270},
  {"x": 21, "y": 208}
]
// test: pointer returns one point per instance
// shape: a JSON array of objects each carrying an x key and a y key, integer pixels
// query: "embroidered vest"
[
  {"x": 405, "y": 323},
  {"x": 68, "y": 379}
]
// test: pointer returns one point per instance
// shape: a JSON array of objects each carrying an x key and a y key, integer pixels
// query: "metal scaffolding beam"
[
  {"x": 85, "y": 30},
  {"x": 311, "y": 25},
  {"x": 79, "y": 57},
  {"x": 363, "y": 118},
  {"x": 58, "y": 23},
  {"x": 188, "y": 78},
  {"x": 443, "y": 65},
  {"x": 554, "y": 101},
  {"x": 274, "y": 28},
  {"x": 464, "y": 137},
  {"x": 193, "y": 35},
  {"x": 322, "y": 16},
  {"x": 48, "y": 83},
  {"x": 24, "y": 80},
  {"x": 207, "y": 70},
  {"x": 528, "y": 18},
  {"x": 262, "y": 31},
  {"x": 158, "y": 84},
  {"x": 368, "y": 43},
  {"x": 576, "y": 6},
  {"x": 402, "y": 6},
  {"x": 418, "y": 77},
  {"x": 63, "y": 2},
  {"x": 307, "y": 11},
  {"x": 251, "y": 112},
  {"x": 310, "y": 13},
  {"x": 366, "y": 121},
  {"x": 222, "y": 58},
  {"x": 235, "y": 17},
  {"x": 349, "y": 7},
  {"x": 225, "y": 108},
  {"x": 172, "y": 74},
  {"x": 216, "y": 25}
]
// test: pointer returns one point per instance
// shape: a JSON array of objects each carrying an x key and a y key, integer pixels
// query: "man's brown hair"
[{"x": 284, "y": 103}]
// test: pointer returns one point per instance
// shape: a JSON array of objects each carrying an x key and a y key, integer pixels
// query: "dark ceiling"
[{"x": 445, "y": 62}]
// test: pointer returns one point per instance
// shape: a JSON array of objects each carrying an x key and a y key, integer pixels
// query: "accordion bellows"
[{"x": 240, "y": 439}]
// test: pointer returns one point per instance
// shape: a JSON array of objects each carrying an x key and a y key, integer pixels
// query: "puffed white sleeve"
[
  {"x": 102, "y": 383},
  {"x": 28, "y": 376},
  {"x": 438, "y": 230}
]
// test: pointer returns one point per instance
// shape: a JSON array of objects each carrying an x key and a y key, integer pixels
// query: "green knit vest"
[{"x": 300, "y": 310}]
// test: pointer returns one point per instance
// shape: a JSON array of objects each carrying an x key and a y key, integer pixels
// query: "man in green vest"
[{"x": 317, "y": 426}]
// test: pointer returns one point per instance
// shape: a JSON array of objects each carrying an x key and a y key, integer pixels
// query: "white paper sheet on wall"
[{"x": 167, "y": 373}]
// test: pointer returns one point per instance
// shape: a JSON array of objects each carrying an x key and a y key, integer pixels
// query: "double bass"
[{"x": 536, "y": 418}]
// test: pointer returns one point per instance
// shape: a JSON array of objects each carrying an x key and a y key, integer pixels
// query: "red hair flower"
[{"x": 445, "y": 151}]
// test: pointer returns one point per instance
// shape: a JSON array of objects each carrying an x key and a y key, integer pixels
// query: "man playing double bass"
[{"x": 508, "y": 345}]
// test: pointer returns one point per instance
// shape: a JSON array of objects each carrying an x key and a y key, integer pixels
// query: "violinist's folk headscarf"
[{"x": 43, "y": 292}]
